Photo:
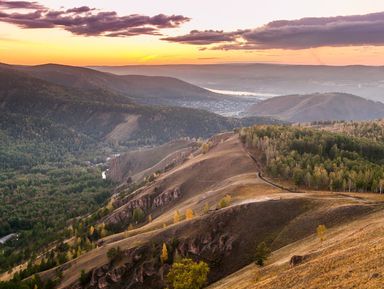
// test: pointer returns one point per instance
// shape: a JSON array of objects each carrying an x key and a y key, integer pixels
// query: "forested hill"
[
  {"x": 143, "y": 89},
  {"x": 318, "y": 159},
  {"x": 105, "y": 115}
]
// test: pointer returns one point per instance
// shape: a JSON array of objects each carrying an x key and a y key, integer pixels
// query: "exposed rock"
[
  {"x": 146, "y": 200},
  {"x": 166, "y": 197}
]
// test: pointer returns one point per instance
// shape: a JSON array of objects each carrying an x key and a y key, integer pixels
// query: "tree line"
[{"x": 318, "y": 159}]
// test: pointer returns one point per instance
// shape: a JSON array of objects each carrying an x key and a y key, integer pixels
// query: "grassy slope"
[
  {"x": 350, "y": 257},
  {"x": 250, "y": 196}
]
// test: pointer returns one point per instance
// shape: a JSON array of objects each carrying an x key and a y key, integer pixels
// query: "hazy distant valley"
[{"x": 271, "y": 79}]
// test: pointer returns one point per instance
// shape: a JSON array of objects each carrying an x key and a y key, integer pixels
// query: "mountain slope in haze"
[
  {"x": 275, "y": 79},
  {"x": 143, "y": 89},
  {"x": 318, "y": 107},
  {"x": 105, "y": 115}
]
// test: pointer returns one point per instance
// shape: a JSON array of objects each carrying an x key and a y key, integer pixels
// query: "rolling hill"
[
  {"x": 105, "y": 115},
  {"x": 152, "y": 90},
  {"x": 224, "y": 237},
  {"x": 318, "y": 107}
]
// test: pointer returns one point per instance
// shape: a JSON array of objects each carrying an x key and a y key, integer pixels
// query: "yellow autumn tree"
[
  {"x": 103, "y": 231},
  {"x": 176, "y": 217},
  {"x": 320, "y": 231},
  {"x": 91, "y": 230},
  {"x": 189, "y": 214},
  {"x": 164, "y": 253},
  {"x": 149, "y": 218},
  {"x": 69, "y": 255}
]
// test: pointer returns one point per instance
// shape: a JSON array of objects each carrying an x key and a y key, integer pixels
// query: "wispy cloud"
[
  {"x": 85, "y": 20},
  {"x": 304, "y": 33}
]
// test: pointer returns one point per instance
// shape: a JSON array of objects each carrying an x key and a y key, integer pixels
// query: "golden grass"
[{"x": 351, "y": 257}]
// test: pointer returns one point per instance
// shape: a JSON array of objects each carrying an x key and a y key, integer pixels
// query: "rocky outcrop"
[
  {"x": 147, "y": 202},
  {"x": 140, "y": 269}
]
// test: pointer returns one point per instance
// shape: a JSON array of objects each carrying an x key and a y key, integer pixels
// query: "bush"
[
  {"x": 225, "y": 202},
  {"x": 114, "y": 254},
  {"x": 188, "y": 274}
]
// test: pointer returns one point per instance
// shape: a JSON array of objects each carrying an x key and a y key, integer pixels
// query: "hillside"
[
  {"x": 318, "y": 107},
  {"x": 223, "y": 236},
  {"x": 341, "y": 261},
  {"x": 151, "y": 90},
  {"x": 270, "y": 79},
  {"x": 134, "y": 165}
]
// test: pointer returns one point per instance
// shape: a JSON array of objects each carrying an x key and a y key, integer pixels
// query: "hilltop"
[{"x": 318, "y": 107}]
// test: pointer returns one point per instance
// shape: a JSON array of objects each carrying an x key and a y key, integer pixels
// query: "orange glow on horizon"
[{"x": 38, "y": 46}]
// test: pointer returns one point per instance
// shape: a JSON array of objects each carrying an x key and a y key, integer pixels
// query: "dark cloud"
[
  {"x": 206, "y": 37},
  {"x": 295, "y": 34},
  {"x": 315, "y": 32},
  {"x": 85, "y": 20},
  {"x": 20, "y": 5}
]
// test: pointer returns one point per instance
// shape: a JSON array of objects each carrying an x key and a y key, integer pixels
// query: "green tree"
[
  {"x": 261, "y": 254},
  {"x": 138, "y": 215},
  {"x": 188, "y": 274}
]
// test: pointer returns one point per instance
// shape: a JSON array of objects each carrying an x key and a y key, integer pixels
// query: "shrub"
[
  {"x": 225, "y": 202},
  {"x": 114, "y": 254}
]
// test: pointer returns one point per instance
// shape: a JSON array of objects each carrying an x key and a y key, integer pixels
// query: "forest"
[
  {"x": 50, "y": 175},
  {"x": 319, "y": 159}
]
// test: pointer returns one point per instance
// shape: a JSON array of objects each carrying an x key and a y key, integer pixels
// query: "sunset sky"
[{"x": 122, "y": 32}]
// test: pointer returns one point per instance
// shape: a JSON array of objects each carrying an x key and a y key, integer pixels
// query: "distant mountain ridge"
[
  {"x": 277, "y": 79},
  {"x": 318, "y": 107},
  {"x": 141, "y": 88}
]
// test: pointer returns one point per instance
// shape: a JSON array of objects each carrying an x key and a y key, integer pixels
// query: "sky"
[{"x": 124, "y": 32}]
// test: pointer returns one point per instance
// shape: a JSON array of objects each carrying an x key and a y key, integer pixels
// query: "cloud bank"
[
  {"x": 304, "y": 33},
  {"x": 85, "y": 20}
]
